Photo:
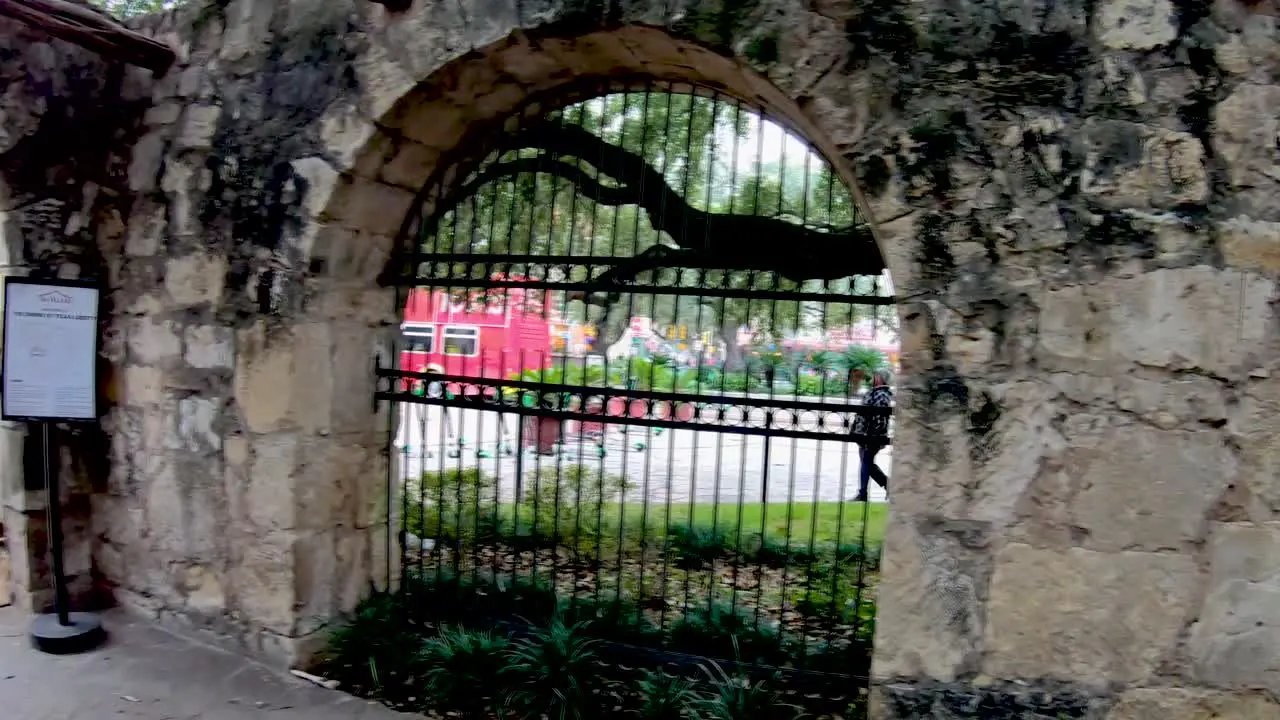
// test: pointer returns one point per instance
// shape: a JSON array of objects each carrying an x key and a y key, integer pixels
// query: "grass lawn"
[
  {"x": 829, "y": 523},
  {"x": 825, "y": 522}
]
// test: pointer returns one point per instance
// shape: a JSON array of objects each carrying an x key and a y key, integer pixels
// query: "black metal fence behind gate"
[{"x": 638, "y": 331}]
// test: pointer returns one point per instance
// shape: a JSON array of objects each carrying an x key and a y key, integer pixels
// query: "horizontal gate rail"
[
  {"x": 648, "y": 289},
  {"x": 782, "y": 417}
]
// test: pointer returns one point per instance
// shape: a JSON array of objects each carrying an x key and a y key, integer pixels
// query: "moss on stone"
[
  {"x": 937, "y": 264},
  {"x": 720, "y": 23},
  {"x": 873, "y": 175},
  {"x": 881, "y": 26},
  {"x": 982, "y": 423}
]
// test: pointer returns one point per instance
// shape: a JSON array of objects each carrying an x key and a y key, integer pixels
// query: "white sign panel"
[{"x": 50, "y": 351}]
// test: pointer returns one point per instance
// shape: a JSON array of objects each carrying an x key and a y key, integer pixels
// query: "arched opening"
[{"x": 639, "y": 323}]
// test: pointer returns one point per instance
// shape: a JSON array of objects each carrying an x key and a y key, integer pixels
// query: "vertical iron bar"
[
  {"x": 631, "y": 298},
  {"x": 675, "y": 375},
  {"x": 693, "y": 459},
  {"x": 768, "y": 415},
  {"x": 600, "y": 529},
  {"x": 746, "y": 371}
]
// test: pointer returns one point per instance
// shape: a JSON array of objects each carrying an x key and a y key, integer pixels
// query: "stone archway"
[{"x": 468, "y": 99}]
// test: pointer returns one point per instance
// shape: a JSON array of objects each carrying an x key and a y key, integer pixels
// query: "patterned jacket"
[{"x": 875, "y": 425}]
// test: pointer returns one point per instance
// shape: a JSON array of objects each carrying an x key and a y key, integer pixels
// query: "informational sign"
[{"x": 50, "y": 350}]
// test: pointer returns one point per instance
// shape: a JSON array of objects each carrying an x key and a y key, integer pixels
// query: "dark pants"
[{"x": 869, "y": 470}]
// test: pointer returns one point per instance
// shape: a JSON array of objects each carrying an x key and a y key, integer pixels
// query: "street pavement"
[
  {"x": 680, "y": 463},
  {"x": 145, "y": 673}
]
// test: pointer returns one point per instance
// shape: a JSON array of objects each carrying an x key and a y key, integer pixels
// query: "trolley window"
[{"x": 464, "y": 341}]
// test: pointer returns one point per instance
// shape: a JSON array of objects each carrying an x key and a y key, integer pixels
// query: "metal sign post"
[{"x": 50, "y": 376}]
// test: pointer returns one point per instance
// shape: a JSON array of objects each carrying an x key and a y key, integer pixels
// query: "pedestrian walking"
[{"x": 874, "y": 430}]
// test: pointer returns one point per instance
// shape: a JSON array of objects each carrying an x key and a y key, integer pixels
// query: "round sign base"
[{"x": 82, "y": 634}]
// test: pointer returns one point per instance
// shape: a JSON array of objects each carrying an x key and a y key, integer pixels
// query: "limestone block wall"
[
  {"x": 66, "y": 120},
  {"x": 1077, "y": 201}
]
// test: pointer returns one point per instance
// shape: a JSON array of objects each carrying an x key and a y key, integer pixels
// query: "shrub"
[
  {"x": 665, "y": 697},
  {"x": 817, "y": 385},
  {"x": 559, "y": 505},
  {"x": 372, "y": 650},
  {"x": 457, "y": 669},
  {"x": 737, "y": 697},
  {"x": 550, "y": 673},
  {"x": 724, "y": 631},
  {"x": 849, "y": 658},
  {"x": 854, "y": 553},
  {"x": 445, "y": 595},
  {"x": 442, "y": 505},
  {"x": 611, "y": 617},
  {"x": 775, "y": 553},
  {"x": 697, "y": 546},
  {"x": 736, "y": 382}
]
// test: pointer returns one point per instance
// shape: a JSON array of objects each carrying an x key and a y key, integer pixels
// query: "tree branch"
[
  {"x": 740, "y": 242},
  {"x": 91, "y": 29},
  {"x": 600, "y": 192}
]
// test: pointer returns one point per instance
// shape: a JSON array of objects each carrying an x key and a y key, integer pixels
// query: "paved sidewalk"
[{"x": 143, "y": 672}]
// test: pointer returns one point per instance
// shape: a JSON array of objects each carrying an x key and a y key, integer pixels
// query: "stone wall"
[
  {"x": 68, "y": 120},
  {"x": 1077, "y": 201}
]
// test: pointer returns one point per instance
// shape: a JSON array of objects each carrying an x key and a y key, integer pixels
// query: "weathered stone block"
[
  {"x": 195, "y": 279},
  {"x": 262, "y": 575},
  {"x": 1133, "y": 165},
  {"x": 318, "y": 179},
  {"x": 196, "y": 418},
  {"x": 270, "y": 499},
  {"x": 930, "y": 598},
  {"x": 411, "y": 165},
  {"x": 1244, "y": 135},
  {"x": 354, "y": 574},
  {"x": 1142, "y": 488},
  {"x": 1084, "y": 616},
  {"x": 263, "y": 381},
  {"x": 208, "y": 347},
  {"x": 370, "y": 206},
  {"x": 1184, "y": 318},
  {"x": 153, "y": 342},
  {"x": 344, "y": 131},
  {"x": 1136, "y": 24},
  {"x": 313, "y": 375},
  {"x": 204, "y": 590},
  {"x": 141, "y": 385},
  {"x": 1250, "y": 245},
  {"x": 144, "y": 168},
  {"x": 199, "y": 123},
  {"x": 1253, "y": 426},
  {"x": 316, "y": 580},
  {"x": 1172, "y": 703},
  {"x": 1236, "y": 642},
  {"x": 145, "y": 232},
  {"x": 165, "y": 516}
]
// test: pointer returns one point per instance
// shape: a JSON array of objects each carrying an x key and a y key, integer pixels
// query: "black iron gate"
[{"x": 639, "y": 328}]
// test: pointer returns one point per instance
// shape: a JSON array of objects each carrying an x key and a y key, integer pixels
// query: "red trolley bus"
[{"x": 493, "y": 334}]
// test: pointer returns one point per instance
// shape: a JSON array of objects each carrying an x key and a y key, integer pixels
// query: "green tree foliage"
[
  {"x": 134, "y": 8},
  {"x": 718, "y": 155}
]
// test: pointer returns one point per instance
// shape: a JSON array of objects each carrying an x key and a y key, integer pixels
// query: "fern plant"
[
  {"x": 371, "y": 651},
  {"x": 665, "y": 697},
  {"x": 549, "y": 673},
  {"x": 737, "y": 697},
  {"x": 458, "y": 665},
  {"x": 866, "y": 359}
]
